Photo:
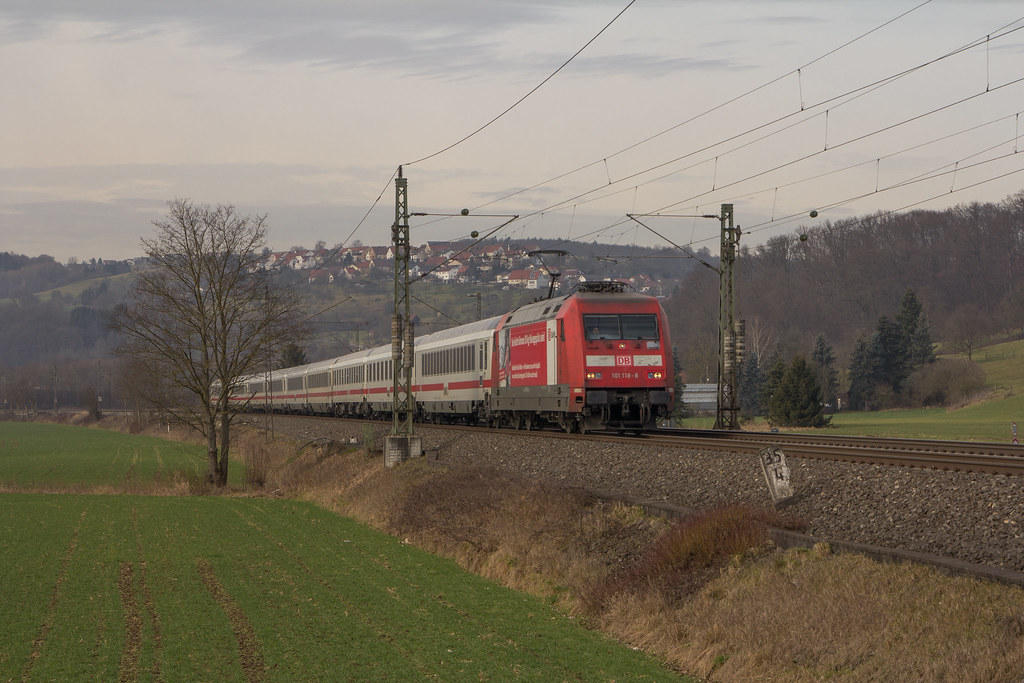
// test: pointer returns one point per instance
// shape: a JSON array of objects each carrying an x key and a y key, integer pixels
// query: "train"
[{"x": 598, "y": 358}]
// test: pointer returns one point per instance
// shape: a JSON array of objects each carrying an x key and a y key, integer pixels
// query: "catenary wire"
[
  {"x": 842, "y": 98},
  {"x": 535, "y": 89},
  {"x": 706, "y": 112}
]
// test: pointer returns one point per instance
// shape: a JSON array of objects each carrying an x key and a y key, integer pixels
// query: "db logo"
[{"x": 623, "y": 360}]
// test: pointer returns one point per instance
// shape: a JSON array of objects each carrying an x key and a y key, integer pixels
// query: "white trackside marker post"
[{"x": 776, "y": 473}]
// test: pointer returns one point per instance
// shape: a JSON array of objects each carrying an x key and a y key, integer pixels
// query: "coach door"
[{"x": 552, "y": 352}]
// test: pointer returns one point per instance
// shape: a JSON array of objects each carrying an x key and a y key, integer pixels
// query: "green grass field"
[
  {"x": 110, "y": 587},
  {"x": 73, "y": 291},
  {"x": 988, "y": 420},
  {"x": 43, "y": 456}
]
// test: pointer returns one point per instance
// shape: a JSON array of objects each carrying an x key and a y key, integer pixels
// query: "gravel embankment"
[{"x": 977, "y": 518}]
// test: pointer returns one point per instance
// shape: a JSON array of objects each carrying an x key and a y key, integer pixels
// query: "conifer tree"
[
  {"x": 679, "y": 406},
  {"x": 888, "y": 356},
  {"x": 796, "y": 401},
  {"x": 915, "y": 335},
  {"x": 824, "y": 359},
  {"x": 771, "y": 381},
  {"x": 751, "y": 379},
  {"x": 293, "y": 355},
  {"x": 862, "y": 379}
]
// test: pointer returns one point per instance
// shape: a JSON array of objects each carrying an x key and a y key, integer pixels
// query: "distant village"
[{"x": 508, "y": 265}]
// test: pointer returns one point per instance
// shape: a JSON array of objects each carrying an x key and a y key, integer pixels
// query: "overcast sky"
[{"x": 303, "y": 110}]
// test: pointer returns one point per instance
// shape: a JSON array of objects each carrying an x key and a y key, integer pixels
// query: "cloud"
[
  {"x": 651, "y": 66},
  {"x": 88, "y": 211},
  {"x": 449, "y": 39}
]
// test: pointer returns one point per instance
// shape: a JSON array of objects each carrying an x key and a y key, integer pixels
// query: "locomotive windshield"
[{"x": 625, "y": 326}]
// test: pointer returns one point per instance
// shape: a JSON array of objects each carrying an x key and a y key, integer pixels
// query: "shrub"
[
  {"x": 946, "y": 382},
  {"x": 687, "y": 555}
]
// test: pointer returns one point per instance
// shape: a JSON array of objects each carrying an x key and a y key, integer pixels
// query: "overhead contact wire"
[{"x": 535, "y": 89}]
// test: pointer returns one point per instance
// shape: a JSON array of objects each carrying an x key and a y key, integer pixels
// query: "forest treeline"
[{"x": 846, "y": 281}]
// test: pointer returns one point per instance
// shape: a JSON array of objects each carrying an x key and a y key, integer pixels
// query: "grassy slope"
[
  {"x": 225, "y": 588},
  {"x": 75, "y": 289},
  {"x": 986, "y": 420}
]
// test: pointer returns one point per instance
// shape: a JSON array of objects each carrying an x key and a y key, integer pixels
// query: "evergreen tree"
[
  {"x": 898, "y": 347},
  {"x": 888, "y": 357},
  {"x": 679, "y": 406},
  {"x": 824, "y": 359},
  {"x": 751, "y": 379},
  {"x": 862, "y": 377},
  {"x": 915, "y": 335},
  {"x": 770, "y": 383},
  {"x": 796, "y": 401},
  {"x": 292, "y": 355},
  {"x": 922, "y": 346}
]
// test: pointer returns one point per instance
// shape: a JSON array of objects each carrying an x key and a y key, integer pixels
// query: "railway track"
[
  {"x": 967, "y": 456},
  {"x": 964, "y": 456}
]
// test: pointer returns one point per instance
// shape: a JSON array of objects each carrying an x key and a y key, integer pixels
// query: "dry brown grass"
[{"x": 810, "y": 615}]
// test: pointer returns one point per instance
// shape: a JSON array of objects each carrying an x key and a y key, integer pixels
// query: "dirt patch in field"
[
  {"x": 249, "y": 650},
  {"x": 44, "y": 630},
  {"x": 129, "y": 669}
]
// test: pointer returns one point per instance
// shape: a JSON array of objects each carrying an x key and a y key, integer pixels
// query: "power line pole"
[
  {"x": 402, "y": 443},
  {"x": 479, "y": 305},
  {"x": 730, "y": 328}
]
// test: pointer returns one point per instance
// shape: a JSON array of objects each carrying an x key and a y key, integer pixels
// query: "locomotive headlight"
[
  {"x": 593, "y": 375},
  {"x": 654, "y": 375}
]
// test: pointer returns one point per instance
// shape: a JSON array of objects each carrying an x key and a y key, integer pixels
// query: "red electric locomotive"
[{"x": 596, "y": 359}]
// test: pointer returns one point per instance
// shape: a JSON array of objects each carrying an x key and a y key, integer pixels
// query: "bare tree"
[
  {"x": 760, "y": 339},
  {"x": 966, "y": 328},
  {"x": 202, "y": 316}
]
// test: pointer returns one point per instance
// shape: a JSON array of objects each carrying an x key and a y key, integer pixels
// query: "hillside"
[{"x": 963, "y": 264}]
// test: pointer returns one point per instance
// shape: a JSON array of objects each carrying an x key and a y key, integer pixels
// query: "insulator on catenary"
[
  {"x": 396, "y": 337},
  {"x": 408, "y": 351},
  {"x": 741, "y": 340}
]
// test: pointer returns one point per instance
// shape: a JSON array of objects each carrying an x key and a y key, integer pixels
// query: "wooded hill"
[{"x": 962, "y": 263}]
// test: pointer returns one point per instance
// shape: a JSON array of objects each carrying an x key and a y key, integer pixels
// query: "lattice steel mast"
[
  {"x": 730, "y": 328},
  {"x": 401, "y": 327}
]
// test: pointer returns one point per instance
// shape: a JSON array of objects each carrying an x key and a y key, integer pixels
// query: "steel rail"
[
  {"x": 966, "y": 456},
  {"x": 992, "y": 458}
]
